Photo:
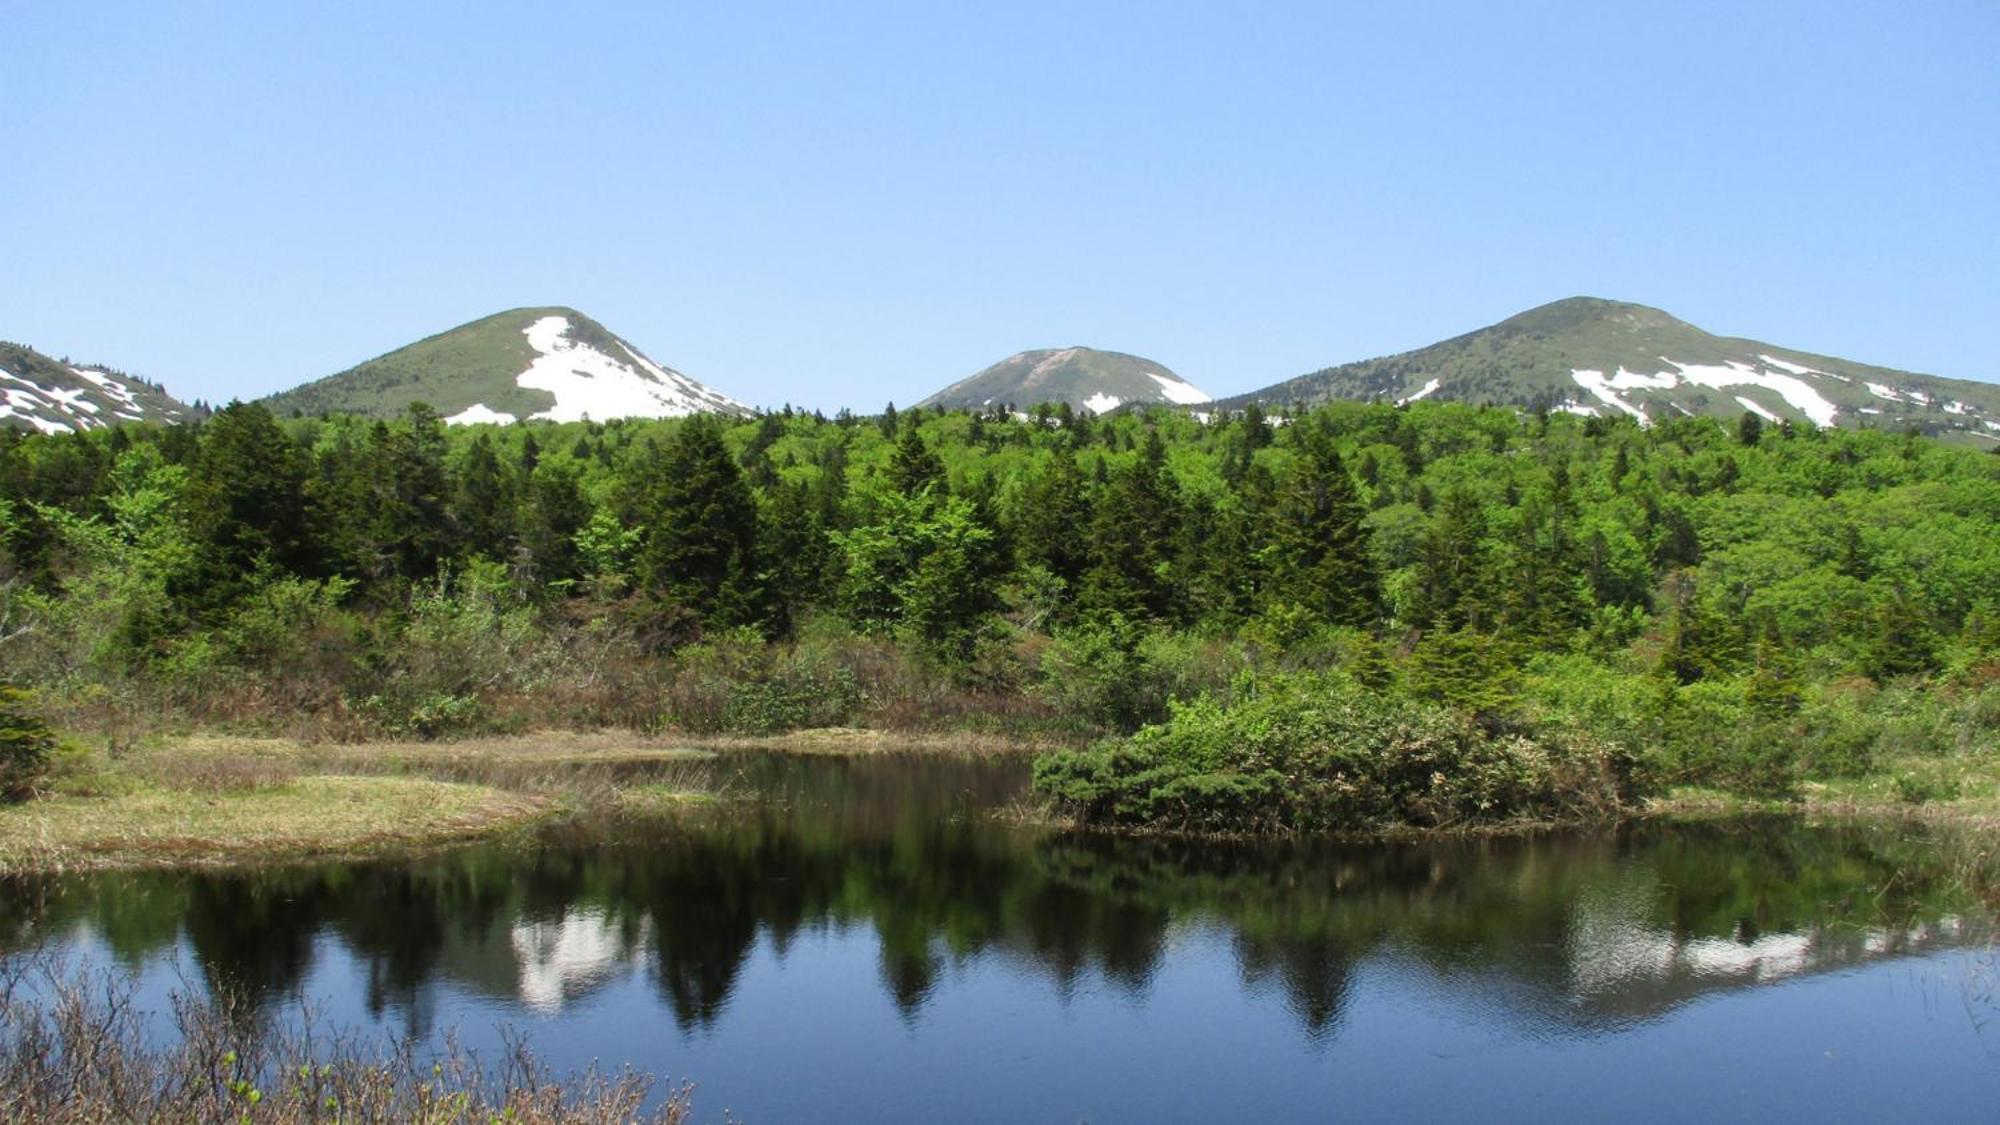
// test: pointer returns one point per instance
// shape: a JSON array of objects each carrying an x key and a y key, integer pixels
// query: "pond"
[{"x": 859, "y": 939}]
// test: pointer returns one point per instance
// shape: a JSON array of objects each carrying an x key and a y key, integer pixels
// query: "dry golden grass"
[{"x": 309, "y": 815}]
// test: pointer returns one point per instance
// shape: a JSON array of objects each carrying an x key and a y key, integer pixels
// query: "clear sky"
[{"x": 840, "y": 204}]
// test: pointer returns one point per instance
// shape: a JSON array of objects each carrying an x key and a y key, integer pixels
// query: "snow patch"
[
  {"x": 1883, "y": 391},
  {"x": 1606, "y": 391},
  {"x": 1800, "y": 368},
  {"x": 1752, "y": 407},
  {"x": 1919, "y": 397},
  {"x": 1427, "y": 389},
  {"x": 1101, "y": 402},
  {"x": 1180, "y": 391},
  {"x": 1796, "y": 392},
  {"x": 1568, "y": 407},
  {"x": 478, "y": 414},
  {"x": 590, "y": 384},
  {"x": 1954, "y": 407}
]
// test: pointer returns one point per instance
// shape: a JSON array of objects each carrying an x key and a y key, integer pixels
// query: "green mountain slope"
[
  {"x": 1590, "y": 356},
  {"x": 55, "y": 396},
  {"x": 553, "y": 363},
  {"x": 1085, "y": 378}
]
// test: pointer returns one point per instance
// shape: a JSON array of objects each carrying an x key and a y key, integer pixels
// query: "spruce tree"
[
  {"x": 914, "y": 468},
  {"x": 246, "y": 504},
  {"x": 1319, "y": 542},
  {"x": 701, "y": 528}
]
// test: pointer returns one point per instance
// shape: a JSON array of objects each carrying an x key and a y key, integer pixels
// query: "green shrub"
[
  {"x": 26, "y": 745},
  {"x": 736, "y": 682},
  {"x": 1915, "y": 789},
  {"x": 1095, "y": 677},
  {"x": 1707, "y": 736},
  {"x": 1318, "y": 753},
  {"x": 427, "y": 714}
]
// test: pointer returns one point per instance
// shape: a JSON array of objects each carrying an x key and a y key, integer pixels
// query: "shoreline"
[{"x": 207, "y": 799}]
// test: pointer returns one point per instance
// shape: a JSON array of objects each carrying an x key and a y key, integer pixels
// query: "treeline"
[{"x": 1061, "y": 568}]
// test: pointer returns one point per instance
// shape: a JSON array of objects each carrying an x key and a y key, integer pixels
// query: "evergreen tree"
[
  {"x": 483, "y": 503},
  {"x": 701, "y": 528},
  {"x": 1452, "y": 581},
  {"x": 246, "y": 504},
  {"x": 1133, "y": 524},
  {"x": 914, "y": 468},
  {"x": 1319, "y": 542},
  {"x": 1055, "y": 511}
]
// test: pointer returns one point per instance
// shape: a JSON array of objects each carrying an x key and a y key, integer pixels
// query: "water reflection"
[{"x": 1575, "y": 932}]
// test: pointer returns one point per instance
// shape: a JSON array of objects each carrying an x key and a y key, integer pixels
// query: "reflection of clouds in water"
[
  {"x": 1616, "y": 947},
  {"x": 564, "y": 959}
]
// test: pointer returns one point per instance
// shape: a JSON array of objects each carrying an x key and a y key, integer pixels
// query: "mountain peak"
[
  {"x": 1573, "y": 312},
  {"x": 547, "y": 362},
  {"x": 1085, "y": 378},
  {"x": 1588, "y": 355}
]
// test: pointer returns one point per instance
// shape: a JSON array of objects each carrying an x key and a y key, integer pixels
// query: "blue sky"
[{"x": 844, "y": 204}]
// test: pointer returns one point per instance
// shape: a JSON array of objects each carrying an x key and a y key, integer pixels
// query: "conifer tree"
[
  {"x": 483, "y": 502},
  {"x": 701, "y": 527},
  {"x": 914, "y": 468},
  {"x": 246, "y": 503},
  {"x": 1055, "y": 512},
  {"x": 1319, "y": 542}
]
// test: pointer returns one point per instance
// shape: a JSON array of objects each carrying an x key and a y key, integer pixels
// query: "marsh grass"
[
  {"x": 308, "y": 815},
  {"x": 75, "y": 1048}
]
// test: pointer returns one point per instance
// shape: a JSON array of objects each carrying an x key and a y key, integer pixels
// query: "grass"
[
  {"x": 149, "y": 825},
  {"x": 206, "y": 799},
  {"x": 1957, "y": 789}
]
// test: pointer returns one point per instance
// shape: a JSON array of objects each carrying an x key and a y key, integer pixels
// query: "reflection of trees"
[
  {"x": 253, "y": 937},
  {"x": 693, "y": 900}
]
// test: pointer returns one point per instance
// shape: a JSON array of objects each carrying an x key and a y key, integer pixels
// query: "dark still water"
[{"x": 859, "y": 942}]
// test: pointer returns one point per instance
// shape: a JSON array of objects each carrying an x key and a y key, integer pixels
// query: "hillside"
[
  {"x": 1085, "y": 378},
  {"x": 55, "y": 396},
  {"x": 1596, "y": 357},
  {"x": 547, "y": 363}
]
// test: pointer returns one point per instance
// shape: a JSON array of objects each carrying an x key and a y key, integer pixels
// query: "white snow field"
[
  {"x": 595, "y": 385},
  {"x": 1425, "y": 391},
  {"x": 1101, "y": 402},
  {"x": 60, "y": 410},
  {"x": 1786, "y": 383},
  {"x": 1181, "y": 392}
]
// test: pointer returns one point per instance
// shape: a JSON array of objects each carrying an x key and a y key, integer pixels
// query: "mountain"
[
  {"x": 551, "y": 363},
  {"x": 1590, "y": 356},
  {"x": 1083, "y": 377},
  {"x": 56, "y": 396}
]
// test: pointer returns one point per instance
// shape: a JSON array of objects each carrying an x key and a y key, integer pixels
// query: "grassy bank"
[
  {"x": 221, "y": 798},
  {"x": 152, "y": 825}
]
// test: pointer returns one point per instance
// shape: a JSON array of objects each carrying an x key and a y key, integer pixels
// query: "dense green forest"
[{"x": 1526, "y": 596}]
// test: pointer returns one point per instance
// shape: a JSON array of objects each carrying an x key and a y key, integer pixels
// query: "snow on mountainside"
[
  {"x": 55, "y": 396},
  {"x": 591, "y": 384},
  {"x": 1085, "y": 378},
  {"x": 1610, "y": 358},
  {"x": 545, "y": 363}
]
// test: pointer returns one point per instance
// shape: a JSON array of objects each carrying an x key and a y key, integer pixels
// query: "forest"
[{"x": 1353, "y": 616}]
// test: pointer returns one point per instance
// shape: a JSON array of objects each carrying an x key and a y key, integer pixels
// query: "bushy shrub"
[
  {"x": 1318, "y": 753},
  {"x": 1094, "y": 677},
  {"x": 426, "y": 714},
  {"x": 736, "y": 682},
  {"x": 1707, "y": 736},
  {"x": 1917, "y": 789},
  {"x": 26, "y": 745}
]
